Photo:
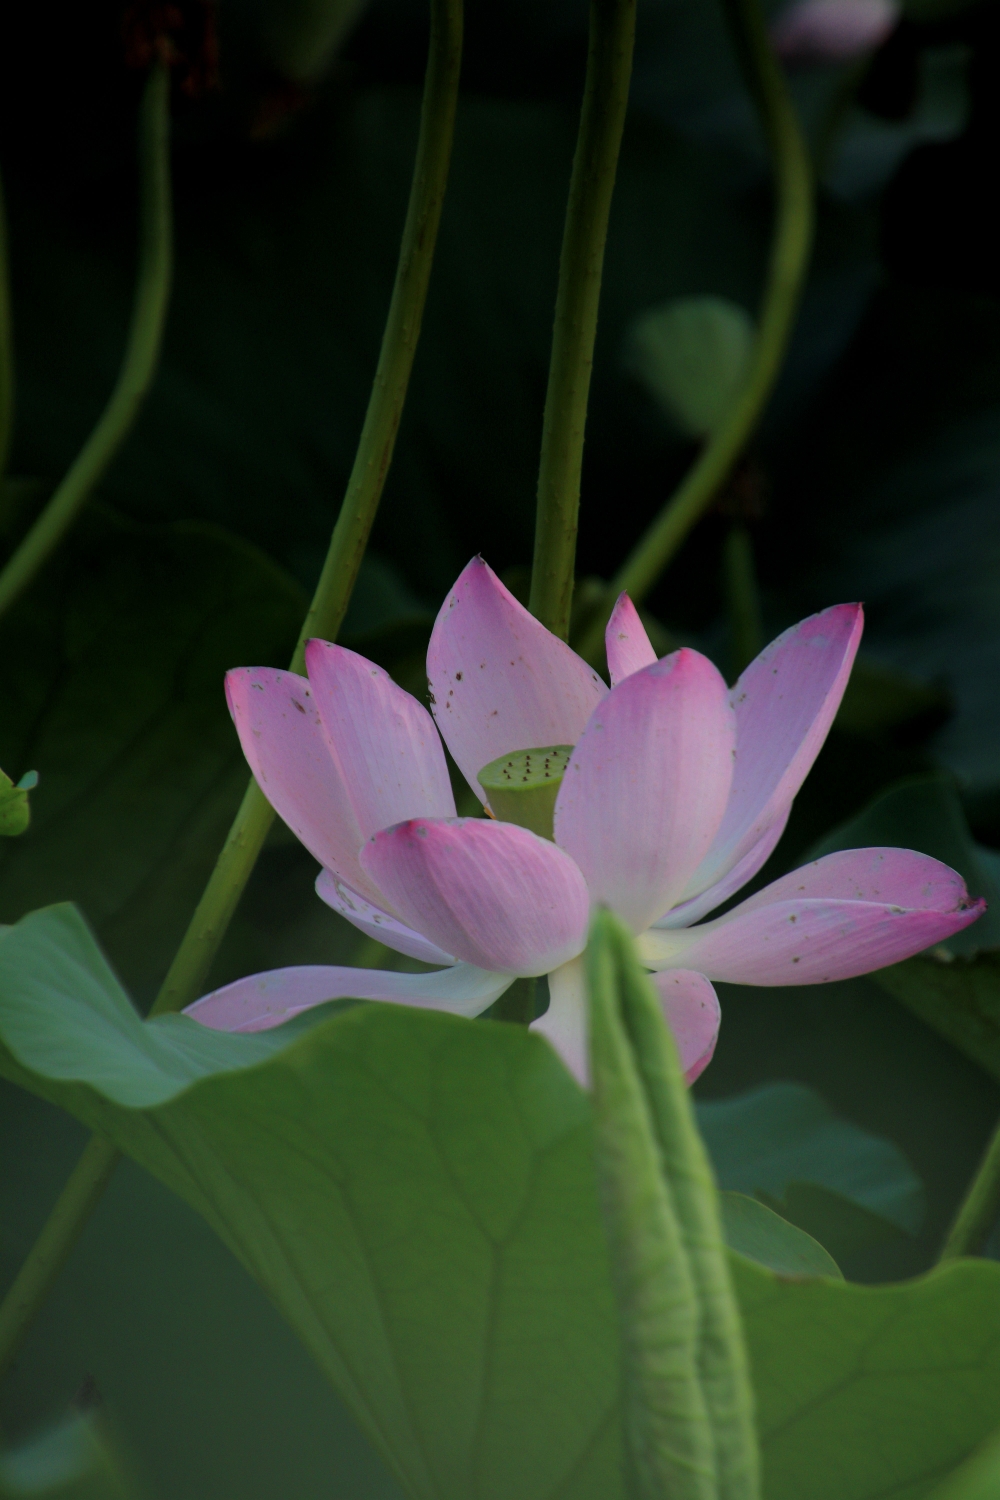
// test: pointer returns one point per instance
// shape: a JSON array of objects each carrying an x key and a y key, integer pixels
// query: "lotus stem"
[
  {"x": 6, "y": 351},
  {"x": 979, "y": 1210},
  {"x": 142, "y": 352},
  {"x": 52, "y": 1248},
  {"x": 350, "y": 535},
  {"x": 742, "y": 599},
  {"x": 789, "y": 260},
  {"x": 602, "y": 120}
]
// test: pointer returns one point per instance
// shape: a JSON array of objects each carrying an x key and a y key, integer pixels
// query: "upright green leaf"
[
  {"x": 687, "y": 1179},
  {"x": 671, "y": 1440}
]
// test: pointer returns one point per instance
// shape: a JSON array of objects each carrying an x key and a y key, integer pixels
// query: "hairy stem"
[
  {"x": 722, "y": 1356},
  {"x": 142, "y": 351},
  {"x": 602, "y": 120},
  {"x": 666, "y": 1422},
  {"x": 980, "y": 1208},
  {"x": 786, "y": 274},
  {"x": 350, "y": 535}
]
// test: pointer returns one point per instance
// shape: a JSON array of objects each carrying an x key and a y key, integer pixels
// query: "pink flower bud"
[{"x": 833, "y": 30}]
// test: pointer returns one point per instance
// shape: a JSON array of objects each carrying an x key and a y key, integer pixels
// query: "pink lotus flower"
[
  {"x": 675, "y": 793},
  {"x": 833, "y": 30}
]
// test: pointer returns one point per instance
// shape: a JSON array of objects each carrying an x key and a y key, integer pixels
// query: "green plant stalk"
[
  {"x": 6, "y": 349},
  {"x": 51, "y": 1249},
  {"x": 669, "y": 1438},
  {"x": 979, "y": 1210},
  {"x": 142, "y": 351},
  {"x": 249, "y": 830},
  {"x": 602, "y": 120},
  {"x": 742, "y": 598},
  {"x": 722, "y": 1358},
  {"x": 786, "y": 274}
]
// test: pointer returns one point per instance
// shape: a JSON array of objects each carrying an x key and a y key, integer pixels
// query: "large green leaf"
[
  {"x": 866, "y": 1392},
  {"x": 112, "y": 690},
  {"x": 978, "y": 1479},
  {"x": 416, "y": 1193},
  {"x": 404, "y": 1216}
]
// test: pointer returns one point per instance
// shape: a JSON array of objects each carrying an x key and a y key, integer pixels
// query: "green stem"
[
  {"x": 219, "y": 900},
  {"x": 51, "y": 1250},
  {"x": 742, "y": 599},
  {"x": 6, "y": 350},
  {"x": 142, "y": 351},
  {"x": 602, "y": 120},
  {"x": 246, "y": 837},
  {"x": 402, "y": 329},
  {"x": 979, "y": 1210},
  {"x": 786, "y": 274}
]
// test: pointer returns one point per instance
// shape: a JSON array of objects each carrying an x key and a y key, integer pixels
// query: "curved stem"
[
  {"x": 6, "y": 350},
  {"x": 51, "y": 1250},
  {"x": 786, "y": 274},
  {"x": 250, "y": 826},
  {"x": 602, "y": 120},
  {"x": 142, "y": 351},
  {"x": 402, "y": 329},
  {"x": 980, "y": 1208}
]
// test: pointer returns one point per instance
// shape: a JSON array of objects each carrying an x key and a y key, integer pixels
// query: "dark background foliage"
[{"x": 875, "y": 475}]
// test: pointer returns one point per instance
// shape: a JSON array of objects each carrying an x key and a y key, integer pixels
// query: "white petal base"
[{"x": 690, "y": 1009}]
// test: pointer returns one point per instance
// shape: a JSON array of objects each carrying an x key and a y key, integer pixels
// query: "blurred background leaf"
[
  {"x": 763, "y": 1236},
  {"x": 74, "y": 1461},
  {"x": 846, "y": 1188},
  {"x": 113, "y": 684}
]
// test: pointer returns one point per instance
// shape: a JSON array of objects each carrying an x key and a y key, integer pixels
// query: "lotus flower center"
[{"x": 522, "y": 787}]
